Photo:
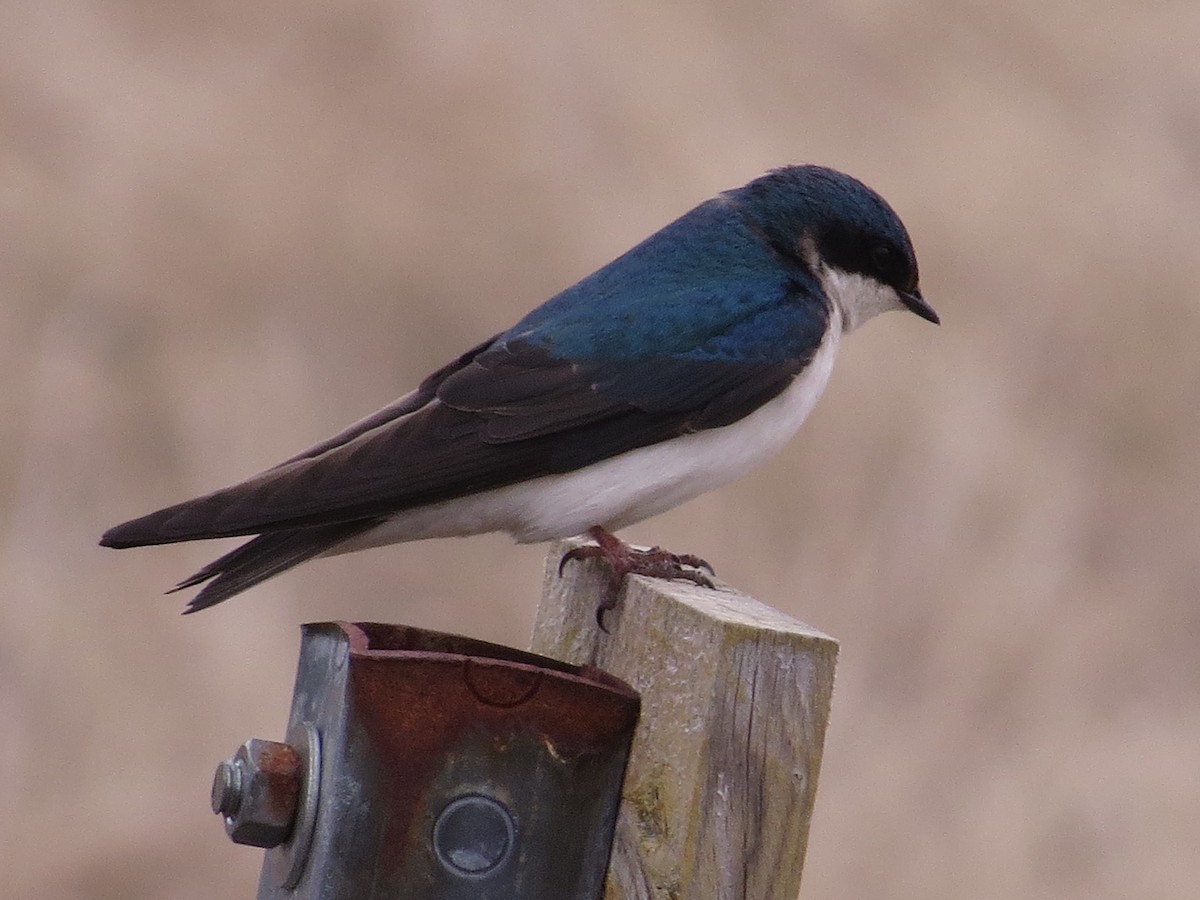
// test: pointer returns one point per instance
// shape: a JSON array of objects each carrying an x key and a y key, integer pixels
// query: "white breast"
[{"x": 627, "y": 488}]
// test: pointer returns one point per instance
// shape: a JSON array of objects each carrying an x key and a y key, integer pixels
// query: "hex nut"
[{"x": 268, "y": 783}]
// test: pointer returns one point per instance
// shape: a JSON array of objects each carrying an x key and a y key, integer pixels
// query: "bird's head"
[{"x": 842, "y": 232}]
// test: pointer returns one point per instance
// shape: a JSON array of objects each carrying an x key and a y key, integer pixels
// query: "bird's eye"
[{"x": 883, "y": 257}]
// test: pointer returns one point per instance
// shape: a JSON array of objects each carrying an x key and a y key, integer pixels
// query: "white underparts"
[{"x": 627, "y": 488}]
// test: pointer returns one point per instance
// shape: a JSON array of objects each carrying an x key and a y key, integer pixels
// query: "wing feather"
[{"x": 514, "y": 408}]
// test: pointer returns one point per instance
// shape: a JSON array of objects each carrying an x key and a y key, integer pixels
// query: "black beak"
[{"x": 914, "y": 301}]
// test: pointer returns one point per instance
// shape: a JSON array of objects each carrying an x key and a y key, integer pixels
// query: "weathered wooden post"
[{"x": 722, "y": 775}]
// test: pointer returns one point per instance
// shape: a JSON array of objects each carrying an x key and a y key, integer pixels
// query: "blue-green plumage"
[
  {"x": 703, "y": 281},
  {"x": 596, "y": 403}
]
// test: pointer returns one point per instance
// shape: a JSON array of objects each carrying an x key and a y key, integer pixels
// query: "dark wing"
[
  {"x": 505, "y": 413},
  {"x": 409, "y": 403},
  {"x": 153, "y": 528}
]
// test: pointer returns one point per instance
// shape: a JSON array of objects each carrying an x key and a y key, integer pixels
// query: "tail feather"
[{"x": 263, "y": 557}]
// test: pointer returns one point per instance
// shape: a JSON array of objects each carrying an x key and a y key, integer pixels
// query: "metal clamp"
[{"x": 429, "y": 765}]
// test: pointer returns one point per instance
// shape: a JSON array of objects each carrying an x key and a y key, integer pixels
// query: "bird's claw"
[
  {"x": 695, "y": 562},
  {"x": 587, "y": 551},
  {"x": 624, "y": 560}
]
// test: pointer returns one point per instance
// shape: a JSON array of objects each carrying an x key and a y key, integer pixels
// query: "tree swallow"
[{"x": 674, "y": 369}]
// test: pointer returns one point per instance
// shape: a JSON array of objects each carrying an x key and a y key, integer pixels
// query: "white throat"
[{"x": 859, "y": 297}]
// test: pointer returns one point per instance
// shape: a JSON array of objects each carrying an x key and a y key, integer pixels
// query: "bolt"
[
  {"x": 257, "y": 791},
  {"x": 227, "y": 788}
]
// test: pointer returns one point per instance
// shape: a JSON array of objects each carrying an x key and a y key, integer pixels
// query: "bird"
[{"x": 674, "y": 369}]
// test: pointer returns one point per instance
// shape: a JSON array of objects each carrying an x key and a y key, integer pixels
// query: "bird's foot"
[{"x": 624, "y": 560}]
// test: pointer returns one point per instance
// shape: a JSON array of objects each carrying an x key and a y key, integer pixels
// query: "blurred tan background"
[{"x": 227, "y": 229}]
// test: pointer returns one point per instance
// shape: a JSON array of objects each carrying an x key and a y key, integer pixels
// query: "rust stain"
[
  {"x": 427, "y": 699},
  {"x": 282, "y": 766}
]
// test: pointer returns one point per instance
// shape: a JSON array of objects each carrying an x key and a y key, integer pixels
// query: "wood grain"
[{"x": 735, "y": 699}]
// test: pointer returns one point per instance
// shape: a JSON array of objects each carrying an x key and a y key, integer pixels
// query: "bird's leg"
[{"x": 624, "y": 560}]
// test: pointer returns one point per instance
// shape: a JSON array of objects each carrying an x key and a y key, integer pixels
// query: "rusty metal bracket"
[{"x": 433, "y": 767}]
